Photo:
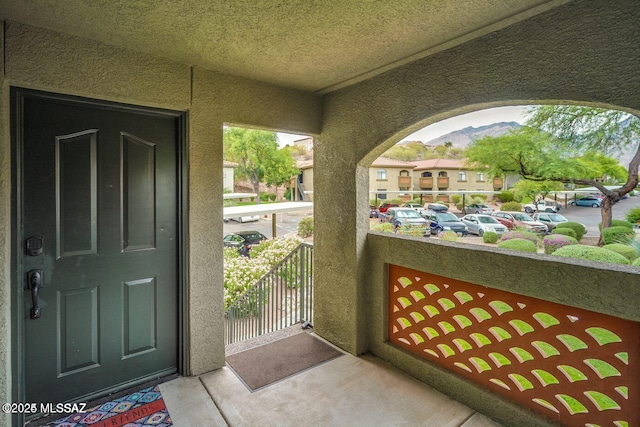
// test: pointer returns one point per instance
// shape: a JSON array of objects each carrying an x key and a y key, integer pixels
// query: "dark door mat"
[{"x": 269, "y": 363}]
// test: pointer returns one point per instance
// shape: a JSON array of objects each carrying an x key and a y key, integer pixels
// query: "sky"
[{"x": 475, "y": 119}]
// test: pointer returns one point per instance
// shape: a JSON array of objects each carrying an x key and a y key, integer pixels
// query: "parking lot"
[
  {"x": 287, "y": 223},
  {"x": 591, "y": 217}
]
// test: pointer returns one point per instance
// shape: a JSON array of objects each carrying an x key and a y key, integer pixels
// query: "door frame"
[{"x": 17, "y": 96}]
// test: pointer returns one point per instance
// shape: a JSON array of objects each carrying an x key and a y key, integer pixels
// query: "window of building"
[
  {"x": 382, "y": 174},
  {"x": 480, "y": 177},
  {"x": 462, "y": 176},
  {"x": 427, "y": 174},
  {"x": 382, "y": 195}
]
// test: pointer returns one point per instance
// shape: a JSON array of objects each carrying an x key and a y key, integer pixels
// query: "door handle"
[{"x": 35, "y": 281}]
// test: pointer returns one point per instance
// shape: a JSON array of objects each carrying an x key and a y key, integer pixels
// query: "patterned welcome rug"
[{"x": 142, "y": 408}]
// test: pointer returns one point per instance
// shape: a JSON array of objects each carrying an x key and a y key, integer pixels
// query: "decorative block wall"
[{"x": 575, "y": 366}]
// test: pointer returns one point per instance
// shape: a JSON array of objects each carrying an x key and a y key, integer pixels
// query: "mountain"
[{"x": 461, "y": 138}]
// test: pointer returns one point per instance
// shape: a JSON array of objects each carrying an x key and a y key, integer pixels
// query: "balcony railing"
[
  {"x": 575, "y": 366},
  {"x": 404, "y": 182},
  {"x": 426, "y": 182},
  {"x": 443, "y": 182},
  {"x": 281, "y": 298}
]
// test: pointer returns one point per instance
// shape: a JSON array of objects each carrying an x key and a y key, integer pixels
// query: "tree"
[
  {"x": 258, "y": 156},
  {"x": 596, "y": 130},
  {"x": 540, "y": 157},
  {"x": 535, "y": 189}
]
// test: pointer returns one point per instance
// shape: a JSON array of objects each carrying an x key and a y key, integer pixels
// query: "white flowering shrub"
[{"x": 241, "y": 273}]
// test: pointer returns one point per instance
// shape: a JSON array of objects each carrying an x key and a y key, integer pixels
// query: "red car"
[
  {"x": 383, "y": 207},
  {"x": 519, "y": 219}
]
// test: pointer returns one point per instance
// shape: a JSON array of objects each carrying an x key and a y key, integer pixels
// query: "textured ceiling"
[{"x": 313, "y": 45}]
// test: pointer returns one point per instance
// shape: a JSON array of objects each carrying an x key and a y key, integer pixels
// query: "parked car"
[
  {"x": 542, "y": 206},
  {"x": 522, "y": 220},
  {"x": 480, "y": 224},
  {"x": 383, "y": 207},
  {"x": 436, "y": 207},
  {"x": 477, "y": 208},
  {"x": 373, "y": 212},
  {"x": 551, "y": 220},
  {"x": 401, "y": 217},
  {"x": 587, "y": 201},
  {"x": 442, "y": 221},
  {"x": 415, "y": 206},
  {"x": 247, "y": 218},
  {"x": 243, "y": 240}
]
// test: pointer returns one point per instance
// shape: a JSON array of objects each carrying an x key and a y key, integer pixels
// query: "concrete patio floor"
[{"x": 346, "y": 391}]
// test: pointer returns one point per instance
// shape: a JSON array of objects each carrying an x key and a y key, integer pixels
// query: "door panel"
[
  {"x": 99, "y": 183},
  {"x": 76, "y": 194}
]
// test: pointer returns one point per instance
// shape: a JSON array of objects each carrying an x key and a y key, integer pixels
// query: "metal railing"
[{"x": 281, "y": 298}]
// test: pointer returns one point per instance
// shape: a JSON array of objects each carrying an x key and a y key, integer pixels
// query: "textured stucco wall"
[
  {"x": 613, "y": 290},
  {"x": 220, "y": 99},
  {"x": 582, "y": 52},
  {"x": 49, "y": 61}
]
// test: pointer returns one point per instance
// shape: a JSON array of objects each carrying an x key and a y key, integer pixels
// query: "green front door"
[{"x": 98, "y": 197}]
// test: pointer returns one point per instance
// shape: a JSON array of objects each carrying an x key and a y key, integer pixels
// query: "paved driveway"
[{"x": 591, "y": 217}]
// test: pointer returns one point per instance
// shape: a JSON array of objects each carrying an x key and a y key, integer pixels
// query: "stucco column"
[
  {"x": 339, "y": 295},
  {"x": 206, "y": 290}
]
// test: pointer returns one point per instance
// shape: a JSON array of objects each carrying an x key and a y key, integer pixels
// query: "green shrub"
[
  {"x": 489, "y": 237},
  {"x": 553, "y": 242},
  {"x": 511, "y": 206},
  {"x": 241, "y": 273},
  {"x": 519, "y": 245},
  {"x": 621, "y": 223},
  {"x": 521, "y": 234},
  {"x": 448, "y": 235},
  {"x": 265, "y": 197},
  {"x": 618, "y": 223},
  {"x": 305, "y": 227},
  {"x": 396, "y": 201},
  {"x": 617, "y": 235},
  {"x": 385, "y": 227},
  {"x": 633, "y": 215},
  {"x": 477, "y": 200},
  {"x": 456, "y": 198},
  {"x": 459, "y": 206},
  {"x": 592, "y": 253},
  {"x": 230, "y": 253},
  {"x": 636, "y": 262},
  {"x": 505, "y": 196},
  {"x": 374, "y": 202},
  {"x": 412, "y": 231},
  {"x": 575, "y": 226},
  {"x": 481, "y": 197},
  {"x": 564, "y": 231},
  {"x": 625, "y": 250}
]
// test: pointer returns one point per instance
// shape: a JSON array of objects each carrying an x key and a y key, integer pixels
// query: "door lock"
[
  {"x": 34, "y": 245},
  {"x": 35, "y": 281}
]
